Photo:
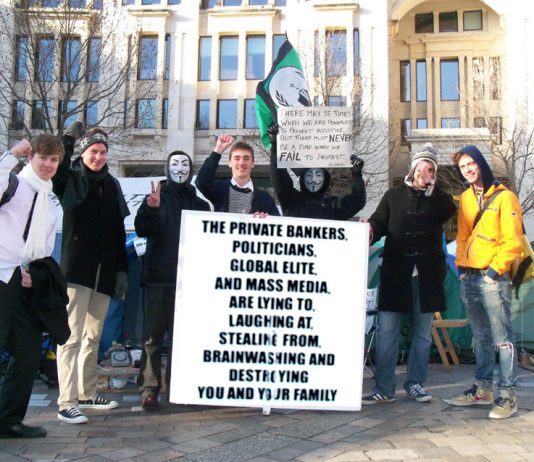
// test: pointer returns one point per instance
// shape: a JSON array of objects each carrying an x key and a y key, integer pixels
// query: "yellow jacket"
[{"x": 497, "y": 240}]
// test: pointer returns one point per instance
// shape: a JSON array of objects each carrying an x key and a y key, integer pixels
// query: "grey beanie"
[{"x": 428, "y": 153}]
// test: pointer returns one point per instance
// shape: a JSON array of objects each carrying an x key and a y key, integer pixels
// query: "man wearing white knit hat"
[{"x": 410, "y": 216}]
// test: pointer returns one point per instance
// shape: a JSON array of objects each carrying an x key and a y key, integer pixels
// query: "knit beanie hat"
[{"x": 428, "y": 153}]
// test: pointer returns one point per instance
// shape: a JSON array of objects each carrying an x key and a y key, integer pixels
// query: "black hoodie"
[{"x": 161, "y": 225}]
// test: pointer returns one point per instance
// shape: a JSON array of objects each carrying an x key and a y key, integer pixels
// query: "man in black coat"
[
  {"x": 93, "y": 258},
  {"x": 238, "y": 194},
  {"x": 310, "y": 201},
  {"x": 410, "y": 216},
  {"x": 159, "y": 220}
]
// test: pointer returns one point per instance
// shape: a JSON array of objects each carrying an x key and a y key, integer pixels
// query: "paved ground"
[{"x": 403, "y": 430}]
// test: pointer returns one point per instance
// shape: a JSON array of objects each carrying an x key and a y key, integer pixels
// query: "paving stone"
[
  {"x": 122, "y": 453},
  {"x": 391, "y": 454}
]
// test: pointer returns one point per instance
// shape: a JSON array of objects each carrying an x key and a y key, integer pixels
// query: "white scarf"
[{"x": 35, "y": 246}]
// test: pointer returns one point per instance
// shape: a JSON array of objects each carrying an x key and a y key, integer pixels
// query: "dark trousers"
[
  {"x": 159, "y": 319},
  {"x": 20, "y": 334}
]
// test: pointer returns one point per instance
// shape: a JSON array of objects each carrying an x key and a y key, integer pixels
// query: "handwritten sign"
[
  {"x": 315, "y": 137},
  {"x": 267, "y": 314}
]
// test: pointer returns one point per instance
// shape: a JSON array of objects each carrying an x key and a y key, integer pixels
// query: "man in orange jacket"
[{"x": 488, "y": 241}]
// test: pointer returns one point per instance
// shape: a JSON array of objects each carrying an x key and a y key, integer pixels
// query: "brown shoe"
[{"x": 150, "y": 403}]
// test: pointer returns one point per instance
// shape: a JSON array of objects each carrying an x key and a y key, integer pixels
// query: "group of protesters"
[{"x": 94, "y": 264}]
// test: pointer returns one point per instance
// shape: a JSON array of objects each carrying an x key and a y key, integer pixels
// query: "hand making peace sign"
[{"x": 153, "y": 199}]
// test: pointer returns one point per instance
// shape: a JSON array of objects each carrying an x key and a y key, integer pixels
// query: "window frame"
[
  {"x": 153, "y": 104},
  {"x": 250, "y": 57},
  {"x": 152, "y": 72},
  {"x": 447, "y": 28},
  {"x": 441, "y": 83},
  {"x": 405, "y": 81},
  {"x": 481, "y": 20},
  {"x": 198, "y": 125},
  {"x": 246, "y": 109},
  {"x": 229, "y": 73},
  {"x": 424, "y": 16},
  {"x": 225, "y": 100}
]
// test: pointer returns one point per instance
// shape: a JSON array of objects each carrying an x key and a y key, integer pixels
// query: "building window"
[
  {"x": 203, "y": 114},
  {"x": 21, "y": 61},
  {"x": 41, "y": 114},
  {"x": 70, "y": 60},
  {"x": 495, "y": 127},
  {"x": 207, "y": 4},
  {"x": 93, "y": 60},
  {"x": 17, "y": 119},
  {"x": 145, "y": 113},
  {"x": 228, "y": 65},
  {"x": 337, "y": 101},
  {"x": 231, "y": 2},
  {"x": 51, "y": 3},
  {"x": 405, "y": 81},
  {"x": 148, "y": 58},
  {"x": 44, "y": 59},
  {"x": 450, "y": 122},
  {"x": 356, "y": 51},
  {"x": 422, "y": 123},
  {"x": 420, "y": 77},
  {"x": 77, "y": 3},
  {"x": 227, "y": 113},
  {"x": 495, "y": 78},
  {"x": 257, "y": 2},
  {"x": 448, "y": 22},
  {"x": 406, "y": 130},
  {"x": 255, "y": 57},
  {"x": 424, "y": 23},
  {"x": 250, "y": 114},
  {"x": 151, "y": 2},
  {"x": 336, "y": 53},
  {"x": 278, "y": 40},
  {"x": 478, "y": 78},
  {"x": 479, "y": 122},
  {"x": 473, "y": 20},
  {"x": 450, "y": 82},
  {"x": 90, "y": 115},
  {"x": 316, "y": 54},
  {"x": 174, "y": 2},
  {"x": 280, "y": 2},
  {"x": 204, "y": 60},
  {"x": 165, "y": 113},
  {"x": 97, "y": 4},
  {"x": 167, "y": 56},
  {"x": 66, "y": 113}
]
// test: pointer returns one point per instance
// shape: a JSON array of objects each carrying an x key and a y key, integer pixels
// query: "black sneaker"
[
  {"x": 97, "y": 403},
  {"x": 418, "y": 393},
  {"x": 376, "y": 398},
  {"x": 72, "y": 415}
]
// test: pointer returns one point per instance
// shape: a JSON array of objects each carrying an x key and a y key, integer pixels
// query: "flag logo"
[
  {"x": 288, "y": 88},
  {"x": 285, "y": 86}
]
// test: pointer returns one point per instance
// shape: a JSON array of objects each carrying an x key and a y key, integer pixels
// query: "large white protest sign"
[
  {"x": 269, "y": 312},
  {"x": 315, "y": 137}
]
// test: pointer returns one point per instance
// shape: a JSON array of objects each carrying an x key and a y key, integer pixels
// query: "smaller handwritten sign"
[{"x": 315, "y": 137}]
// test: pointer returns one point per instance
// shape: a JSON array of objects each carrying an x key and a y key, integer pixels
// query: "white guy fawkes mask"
[
  {"x": 314, "y": 179},
  {"x": 179, "y": 168}
]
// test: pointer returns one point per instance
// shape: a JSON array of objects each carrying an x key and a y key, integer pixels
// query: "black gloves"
[
  {"x": 357, "y": 164},
  {"x": 272, "y": 131}
]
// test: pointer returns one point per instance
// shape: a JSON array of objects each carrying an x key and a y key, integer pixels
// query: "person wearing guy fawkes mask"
[
  {"x": 310, "y": 201},
  {"x": 159, "y": 219}
]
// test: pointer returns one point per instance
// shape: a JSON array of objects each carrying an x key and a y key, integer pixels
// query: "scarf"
[{"x": 35, "y": 246}]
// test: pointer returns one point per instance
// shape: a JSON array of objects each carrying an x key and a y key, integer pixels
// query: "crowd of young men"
[{"x": 410, "y": 217}]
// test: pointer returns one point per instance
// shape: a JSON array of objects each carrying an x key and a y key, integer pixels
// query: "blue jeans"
[
  {"x": 488, "y": 310},
  {"x": 387, "y": 346}
]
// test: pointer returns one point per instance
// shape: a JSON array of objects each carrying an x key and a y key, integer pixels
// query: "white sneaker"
[{"x": 72, "y": 415}]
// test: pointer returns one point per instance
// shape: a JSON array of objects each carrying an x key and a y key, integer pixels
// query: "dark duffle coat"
[{"x": 412, "y": 224}]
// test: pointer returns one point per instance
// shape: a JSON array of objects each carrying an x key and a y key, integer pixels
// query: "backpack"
[
  {"x": 12, "y": 186},
  {"x": 523, "y": 267}
]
